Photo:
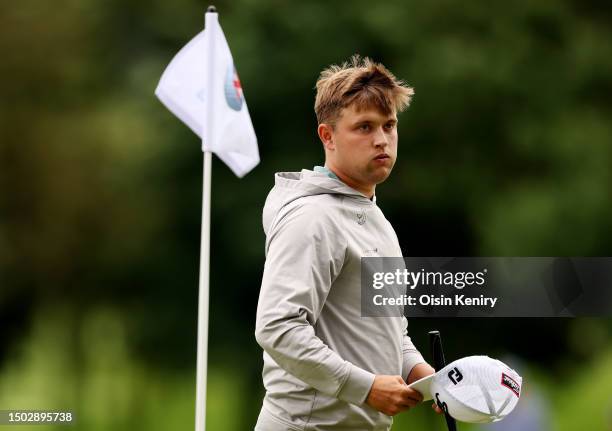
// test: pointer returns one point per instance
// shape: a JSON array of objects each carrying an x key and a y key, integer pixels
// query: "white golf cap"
[{"x": 475, "y": 389}]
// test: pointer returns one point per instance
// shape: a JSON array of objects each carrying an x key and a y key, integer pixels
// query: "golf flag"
[{"x": 201, "y": 87}]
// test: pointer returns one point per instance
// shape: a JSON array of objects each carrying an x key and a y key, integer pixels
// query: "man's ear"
[{"x": 325, "y": 132}]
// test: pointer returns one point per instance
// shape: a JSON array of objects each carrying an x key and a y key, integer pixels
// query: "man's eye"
[
  {"x": 390, "y": 126},
  {"x": 364, "y": 127}
]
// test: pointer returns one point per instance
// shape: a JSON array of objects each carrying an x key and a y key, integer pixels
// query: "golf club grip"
[
  {"x": 437, "y": 353},
  {"x": 439, "y": 362}
]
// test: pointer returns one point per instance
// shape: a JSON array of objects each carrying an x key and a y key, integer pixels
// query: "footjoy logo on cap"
[
  {"x": 508, "y": 382},
  {"x": 455, "y": 375}
]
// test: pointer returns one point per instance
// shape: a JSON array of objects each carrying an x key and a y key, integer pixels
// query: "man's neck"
[{"x": 366, "y": 190}]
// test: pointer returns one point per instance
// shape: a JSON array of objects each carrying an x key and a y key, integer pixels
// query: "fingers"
[
  {"x": 391, "y": 395},
  {"x": 415, "y": 395},
  {"x": 405, "y": 398},
  {"x": 437, "y": 409},
  {"x": 411, "y": 397}
]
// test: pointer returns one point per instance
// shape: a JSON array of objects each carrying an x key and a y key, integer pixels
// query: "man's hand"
[
  {"x": 418, "y": 372},
  {"x": 391, "y": 395}
]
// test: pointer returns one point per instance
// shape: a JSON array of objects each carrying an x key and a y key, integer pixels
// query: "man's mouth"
[{"x": 381, "y": 156}]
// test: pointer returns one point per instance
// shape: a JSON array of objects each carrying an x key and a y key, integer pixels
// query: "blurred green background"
[{"x": 505, "y": 151}]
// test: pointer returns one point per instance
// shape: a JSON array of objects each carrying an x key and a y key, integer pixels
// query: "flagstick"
[
  {"x": 176, "y": 81},
  {"x": 202, "y": 361}
]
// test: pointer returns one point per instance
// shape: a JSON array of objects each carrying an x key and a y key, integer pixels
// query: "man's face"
[{"x": 363, "y": 146}]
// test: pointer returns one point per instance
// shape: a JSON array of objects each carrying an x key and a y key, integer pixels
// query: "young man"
[{"x": 325, "y": 366}]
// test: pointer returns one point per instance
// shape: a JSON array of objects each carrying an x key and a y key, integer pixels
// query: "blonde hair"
[{"x": 361, "y": 82}]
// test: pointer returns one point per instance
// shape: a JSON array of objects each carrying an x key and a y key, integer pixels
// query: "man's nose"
[{"x": 380, "y": 138}]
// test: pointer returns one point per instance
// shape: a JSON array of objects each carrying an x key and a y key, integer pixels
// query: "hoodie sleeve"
[
  {"x": 304, "y": 256},
  {"x": 411, "y": 356}
]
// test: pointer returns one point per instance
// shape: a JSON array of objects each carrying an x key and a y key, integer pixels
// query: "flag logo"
[{"x": 233, "y": 89}]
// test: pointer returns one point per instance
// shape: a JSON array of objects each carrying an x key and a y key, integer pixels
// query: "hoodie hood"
[{"x": 290, "y": 186}]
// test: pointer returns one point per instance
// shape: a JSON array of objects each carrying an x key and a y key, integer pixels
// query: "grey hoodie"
[{"x": 320, "y": 355}]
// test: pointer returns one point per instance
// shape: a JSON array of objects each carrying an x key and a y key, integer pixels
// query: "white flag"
[{"x": 201, "y": 87}]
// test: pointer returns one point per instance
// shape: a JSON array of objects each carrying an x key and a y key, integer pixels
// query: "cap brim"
[{"x": 423, "y": 386}]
